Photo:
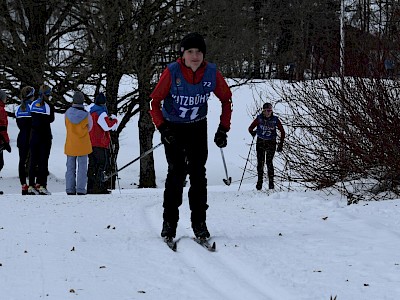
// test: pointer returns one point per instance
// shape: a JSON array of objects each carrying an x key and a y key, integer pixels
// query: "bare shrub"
[{"x": 344, "y": 134}]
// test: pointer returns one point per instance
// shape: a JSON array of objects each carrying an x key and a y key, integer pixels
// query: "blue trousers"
[{"x": 76, "y": 175}]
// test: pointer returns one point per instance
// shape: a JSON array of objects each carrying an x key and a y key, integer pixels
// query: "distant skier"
[
  {"x": 184, "y": 88},
  {"x": 24, "y": 123},
  {"x": 4, "y": 138},
  {"x": 266, "y": 124},
  {"x": 389, "y": 67},
  {"x": 42, "y": 112}
]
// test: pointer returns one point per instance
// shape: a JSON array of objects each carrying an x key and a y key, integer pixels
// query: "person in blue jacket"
[
  {"x": 24, "y": 123},
  {"x": 266, "y": 124},
  {"x": 42, "y": 112}
]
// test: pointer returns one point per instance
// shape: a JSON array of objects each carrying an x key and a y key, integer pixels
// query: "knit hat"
[
  {"x": 27, "y": 92},
  {"x": 267, "y": 105},
  {"x": 44, "y": 90},
  {"x": 100, "y": 99},
  {"x": 78, "y": 98},
  {"x": 193, "y": 40},
  {"x": 3, "y": 96}
]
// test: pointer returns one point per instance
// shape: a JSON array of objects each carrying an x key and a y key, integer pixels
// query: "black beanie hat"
[
  {"x": 193, "y": 40},
  {"x": 267, "y": 105},
  {"x": 100, "y": 99}
]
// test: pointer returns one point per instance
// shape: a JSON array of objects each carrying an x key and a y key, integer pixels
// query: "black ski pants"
[
  {"x": 40, "y": 146},
  {"x": 186, "y": 156},
  {"x": 23, "y": 164},
  {"x": 98, "y": 162},
  {"x": 265, "y": 154}
]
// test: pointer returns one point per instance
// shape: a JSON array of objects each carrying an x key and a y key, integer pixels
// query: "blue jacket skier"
[
  {"x": 266, "y": 125},
  {"x": 24, "y": 123},
  {"x": 42, "y": 112}
]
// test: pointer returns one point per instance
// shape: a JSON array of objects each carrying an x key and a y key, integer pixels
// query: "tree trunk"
[
  {"x": 36, "y": 42},
  {"x": 146, "y": 132},
  {"x": 145, "y": 71},
  {"x": 113, "y": 75}
]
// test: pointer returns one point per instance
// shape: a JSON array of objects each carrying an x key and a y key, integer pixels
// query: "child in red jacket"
[
  {"x": 100, "y": 138},
  {"x": 184, "y": 89}
]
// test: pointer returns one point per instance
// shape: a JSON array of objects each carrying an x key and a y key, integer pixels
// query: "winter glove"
[
  {"x": 253, "y": 133},
  {"x": 167, "y": 134},
  {"x": 280, "y": 147},
  {"x": 6, "y": 146},
  {"x": 220, "y": 137}
]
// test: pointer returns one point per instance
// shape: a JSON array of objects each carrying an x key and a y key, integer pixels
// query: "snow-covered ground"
[{"x": 282, "y": 245}]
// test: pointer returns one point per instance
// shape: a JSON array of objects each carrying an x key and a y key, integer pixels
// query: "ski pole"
[
  {"x": 244, "y": 170},
  {"x": 228, "y": 179},
  {"x": 144, "y": 154},
  {"x": 113, "y": 154}
]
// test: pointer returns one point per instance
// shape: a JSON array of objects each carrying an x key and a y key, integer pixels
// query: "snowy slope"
[{"x": 282, "y": 245}]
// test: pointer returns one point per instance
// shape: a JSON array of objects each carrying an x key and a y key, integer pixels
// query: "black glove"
[
  {"x": 280, "y": 147},
  {"x": 167, "y": 134},
  {"x": 220, "y": 137},
  {"x": 253, "y": 133},
  {"x": 6, "y": 146}
]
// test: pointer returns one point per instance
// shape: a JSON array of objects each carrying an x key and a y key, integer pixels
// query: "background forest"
[{"x": 92, "y": 45}]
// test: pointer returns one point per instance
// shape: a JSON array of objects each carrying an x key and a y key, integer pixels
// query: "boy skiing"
[{"x": 184, "y": 89}]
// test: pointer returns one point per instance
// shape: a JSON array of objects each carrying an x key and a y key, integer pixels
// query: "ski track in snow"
[
  {"x": 216, "y": 270},
  {"x": 268, "y": 247}
]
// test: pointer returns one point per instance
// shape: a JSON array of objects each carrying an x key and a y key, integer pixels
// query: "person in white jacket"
[{"x": 100, "y": 138}]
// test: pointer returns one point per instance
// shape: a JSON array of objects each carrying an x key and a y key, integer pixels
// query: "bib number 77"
[{"x": 191, "y": 111}]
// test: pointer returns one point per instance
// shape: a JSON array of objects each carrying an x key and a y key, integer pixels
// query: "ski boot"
[
  {"x": 43, "y": 191},
  {"x": 259, "y": 185},
  {"x": 24, "y": 189},
  {"x": 271, "y": 183},
  {"x": 200, "y": 230},
  {"x": 32, "y": 190},
  {"x": 168, "y": 230}
]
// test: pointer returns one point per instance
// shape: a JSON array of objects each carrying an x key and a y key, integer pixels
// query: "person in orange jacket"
[
  {"x": 184, "y": 88},
  {"x": 78, "y": 123}
]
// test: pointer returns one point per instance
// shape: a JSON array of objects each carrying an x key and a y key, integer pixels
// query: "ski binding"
[
  {"x": 171, "y": 243},
  {"x": 204, "y": 242}
]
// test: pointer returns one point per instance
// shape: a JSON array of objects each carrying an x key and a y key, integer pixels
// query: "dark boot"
[
  {"x": 200, "y": 230},
  {"x": 24, "y": 189},
  {"x": 168, "y": 230},
  {"x": 271, "y": 183},
  {"x": 259, "y": 185}
]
